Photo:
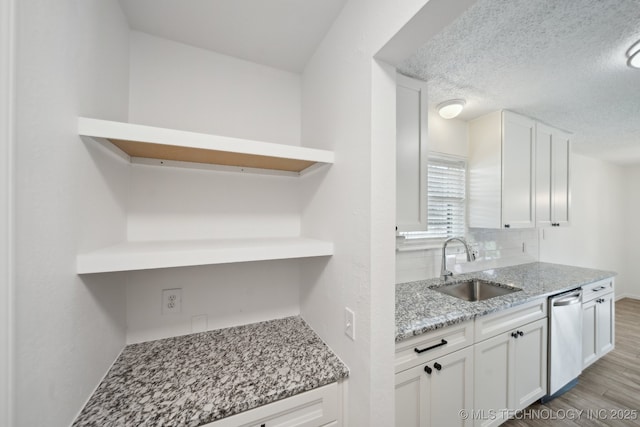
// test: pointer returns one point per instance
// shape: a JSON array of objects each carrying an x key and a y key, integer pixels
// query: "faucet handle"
[{"x": 471, "y": 256}]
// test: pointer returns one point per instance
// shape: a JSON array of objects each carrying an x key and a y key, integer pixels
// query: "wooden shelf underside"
[
  {"x": 212, "y": 157},
  {"x": 150, "y": 142}
]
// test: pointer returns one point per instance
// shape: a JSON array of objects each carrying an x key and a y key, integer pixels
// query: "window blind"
[{"x": 446, "y": 197}]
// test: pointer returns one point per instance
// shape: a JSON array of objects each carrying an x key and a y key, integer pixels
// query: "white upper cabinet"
[
  {"x": 502, "y": 171},
  {"x": 518, "y": 149},
  {"x": 411, "y": 154},
  {"x": 553, "y": 196}
]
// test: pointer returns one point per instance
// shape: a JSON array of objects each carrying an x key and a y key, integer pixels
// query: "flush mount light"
[
  {"x": 634, "y": 55},
  {"x": 450, "y": 109}
]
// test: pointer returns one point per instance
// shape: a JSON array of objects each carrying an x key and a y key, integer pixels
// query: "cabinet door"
[
  {"x": 412, "y": 397},
  {"x": 451, "y": 389},
  {"x": 543, "y": 175},
  {"x": 530, "y": 364},
  {"x": 589, "y": 328},
  {"x": 435, "y": 397},
  {"x": 411, "y": 154},
  {"x": 605, "y": 332},
  {"x": 492, "y": 381},
  {"x": 561, "y": 195},
  {"x": 517, "y": 171},
  {"x": 553, "y": 196}
]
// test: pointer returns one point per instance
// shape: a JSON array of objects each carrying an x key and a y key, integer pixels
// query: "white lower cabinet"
[
  {"x": 605, "y": 313},
  {"x": 598, "y": 321},
  {"x": 477, "y": 373},
  {"x": 510, "y": 372},
  {"x": 314, "y": 408},
  {"x": 433, "y": 393},
  {"x": 530, "y": 365}
]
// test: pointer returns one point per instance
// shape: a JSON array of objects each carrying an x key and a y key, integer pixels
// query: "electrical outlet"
[
  {"x": 350, "y": 323},
  {"x": 171, "y": 301}
]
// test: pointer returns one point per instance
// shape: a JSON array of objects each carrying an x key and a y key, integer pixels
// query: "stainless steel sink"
[{"x": 475, "y": 289}]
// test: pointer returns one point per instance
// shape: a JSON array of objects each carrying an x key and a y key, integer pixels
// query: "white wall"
[
  {"x": 598, "y": 227},
  {"x": 629, "y": 282},
  {"x": 179, "y": 86},
  {"x": 176, "y": 203},
  {"x": 227, "y": 295},
  {"x": 447, "y": 136},
  {"x": 343, "y": 91},
  {"x": 182, "y": 87},
  {"x": 72, "y": 58},
  {"x": 7, "y": 147}
]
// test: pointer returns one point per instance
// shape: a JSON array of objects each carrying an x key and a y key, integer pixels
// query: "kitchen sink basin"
[{"x": 475, "y": 289}]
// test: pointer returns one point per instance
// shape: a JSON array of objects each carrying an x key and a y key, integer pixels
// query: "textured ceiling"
[
  {"x": 560, "y": 61},
  {"x": 278, "y": 33}
]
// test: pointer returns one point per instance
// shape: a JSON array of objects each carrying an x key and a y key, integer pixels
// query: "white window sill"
[{"x": 404, "y": 244}]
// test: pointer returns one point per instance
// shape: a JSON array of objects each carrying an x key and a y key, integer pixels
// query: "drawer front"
[
  {"x": 496, "y": 323},
  {"x": 597, "y": 289},
  {"x": 422, "y": 348},
  {"x": 314, "y": 408}
]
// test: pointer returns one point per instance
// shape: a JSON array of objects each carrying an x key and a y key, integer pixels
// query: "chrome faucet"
[{"x": 444, "y": 273}]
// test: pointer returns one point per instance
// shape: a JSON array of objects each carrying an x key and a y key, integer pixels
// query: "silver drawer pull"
[{"x": 599, "y": 289}]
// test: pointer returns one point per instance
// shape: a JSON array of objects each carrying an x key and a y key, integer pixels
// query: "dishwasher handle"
[{"x": 570, "y": 299}]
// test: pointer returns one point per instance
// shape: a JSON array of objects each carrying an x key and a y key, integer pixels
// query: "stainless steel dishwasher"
[{"x": 565, "y": 341}]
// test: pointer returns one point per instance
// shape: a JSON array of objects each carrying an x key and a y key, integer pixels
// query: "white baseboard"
[{"x": 632, "y": 296}]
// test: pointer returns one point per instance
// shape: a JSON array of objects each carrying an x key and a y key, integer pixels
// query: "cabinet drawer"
[
  {"x": 596, "y": 289},
  {"x": 502, "y": 321},
  {"x": 417, "y": 350},
  {"x": 313, "y": 408}
]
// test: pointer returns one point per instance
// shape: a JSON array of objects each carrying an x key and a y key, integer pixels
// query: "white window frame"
[{"x": 415, "y": 240}]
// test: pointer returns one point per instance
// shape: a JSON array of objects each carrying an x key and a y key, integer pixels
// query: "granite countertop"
[
  {"x": 420, "y": 309},
  {"x": 196, "y": 379}
]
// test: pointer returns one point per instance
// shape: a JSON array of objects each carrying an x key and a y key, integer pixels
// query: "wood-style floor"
[{"x": 610, "y": 386}]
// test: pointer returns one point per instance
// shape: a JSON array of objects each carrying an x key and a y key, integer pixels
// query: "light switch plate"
[{"x": 350, "y": 323}]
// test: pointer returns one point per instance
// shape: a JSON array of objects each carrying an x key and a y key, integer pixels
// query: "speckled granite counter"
[
  {"x": 420, "y": 309},
  {"x": 196, "y": 379}
]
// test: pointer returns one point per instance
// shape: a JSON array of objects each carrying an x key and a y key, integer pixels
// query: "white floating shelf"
[
  {"x": 150, "y": 142},
  {"x": 131, "y": 256}
]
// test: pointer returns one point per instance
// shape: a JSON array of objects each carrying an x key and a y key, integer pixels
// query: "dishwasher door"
[{"x": 565, "y": 339}]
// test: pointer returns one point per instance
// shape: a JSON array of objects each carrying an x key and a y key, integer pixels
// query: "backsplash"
[{"x": 495, "y": 248}]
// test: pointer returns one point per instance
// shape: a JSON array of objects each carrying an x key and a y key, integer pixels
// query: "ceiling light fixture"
[
  {"x": 634, "y": 55},
  {"x": 450, "y": 109}
]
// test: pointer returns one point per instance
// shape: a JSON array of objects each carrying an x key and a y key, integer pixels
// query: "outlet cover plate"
[{"x": 171, "y": 301}]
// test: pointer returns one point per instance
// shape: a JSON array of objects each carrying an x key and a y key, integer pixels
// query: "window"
[{"x": 446, "y": 196}]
